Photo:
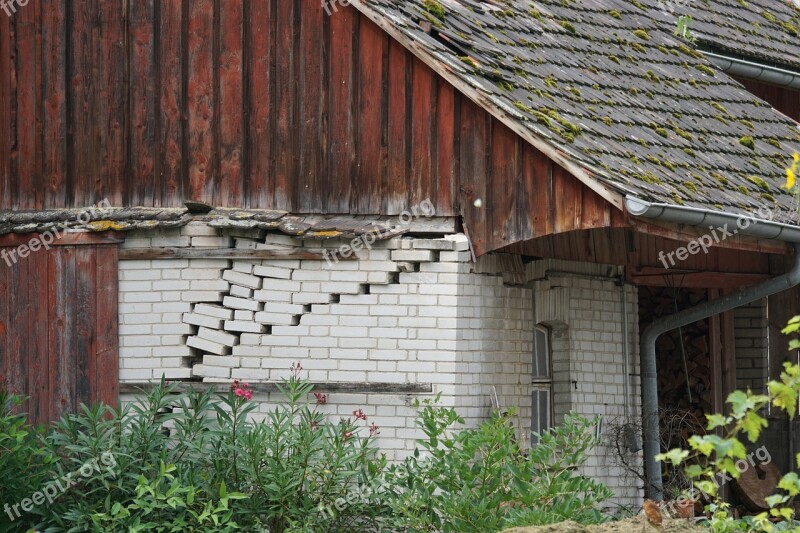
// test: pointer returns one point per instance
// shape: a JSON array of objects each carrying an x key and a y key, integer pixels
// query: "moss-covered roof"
[{"x": 608, "y": 82}]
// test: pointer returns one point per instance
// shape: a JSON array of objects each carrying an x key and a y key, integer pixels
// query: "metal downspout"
[{"x": 648, "y": 339}]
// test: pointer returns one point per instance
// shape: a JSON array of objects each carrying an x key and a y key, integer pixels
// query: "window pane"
[
  {"x": 540, "y": 411},
  {"x": 541, "y": 355}
]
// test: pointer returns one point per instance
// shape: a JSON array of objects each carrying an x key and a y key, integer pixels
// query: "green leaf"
[
  {"x": 717, "y": 420},
  {"x": 753, "y": 424},
  {"x": 776, "y": 499},
  {"x": 790, "y": 483},
  {"x": 674, "y": 456}
]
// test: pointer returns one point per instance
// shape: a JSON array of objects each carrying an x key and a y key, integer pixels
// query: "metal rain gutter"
[
  {"x": 696, "y": 217},
  {"x": 754, "y": 71}
]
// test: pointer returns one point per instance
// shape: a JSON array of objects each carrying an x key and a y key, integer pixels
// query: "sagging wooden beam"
[
  {"x": 225, "y": 253},
  {"x": 270, "y": 387}
]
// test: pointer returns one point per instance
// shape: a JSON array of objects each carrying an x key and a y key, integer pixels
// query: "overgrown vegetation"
[
  {"x": 198, "y": 461},
  {"x": 721, "y": 451}
]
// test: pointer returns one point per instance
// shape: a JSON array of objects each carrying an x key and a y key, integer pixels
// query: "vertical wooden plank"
[
  {"x": 286, "y": 130},
  {"x": 475, "y": 141},
  {"x": 85, "y": 311},
  {"x": 54, "y": 147},
  {"x": 7, "y": 82},
  {"x": 502, "y": 176},
  {"x": 140, "y": 183},
  {"x": 568, "y": 200},
  {"x": 370, "y": 167},
  {"x": 310, "y": 94},
  {"x": 5, "y": 322},
  {"x": 423, "y": 132},
  {"x": 61, "y": 324},
  {"x": 398, "y": 135},
  {"x": 38, "y": 337},
  {"x": 17, "y": 334},
  {"x": 343, "y": 73},
  {"x": 230, "y": 103},
  {"x": 201, "y": 113},
  {"x": 108, "y": 77},
  {"x": 82, "y": 149},
  {"x": 106, "y": 377},
  {"x": 28, "y": 192},
  {"x": 446, "y": 147},
  {"x": 259, "y": 100},
  {"x": 170, "y": 47}
]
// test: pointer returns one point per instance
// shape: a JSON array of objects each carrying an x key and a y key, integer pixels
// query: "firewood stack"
[{"x": 657, "y": 302}]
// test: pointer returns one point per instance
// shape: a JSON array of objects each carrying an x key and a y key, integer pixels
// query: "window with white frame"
[{"x": 541, "y": 384}]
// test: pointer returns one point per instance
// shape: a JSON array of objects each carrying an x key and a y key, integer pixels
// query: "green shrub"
[{"x": 481, "y": 480}]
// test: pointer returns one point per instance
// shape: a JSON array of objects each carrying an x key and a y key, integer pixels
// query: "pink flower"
[
  {"x": 373, "y": 430},
  {"x": 322, "y": 399},
  {"x": 239, "y": 392},
  {"x": 248, "y": 395},
  {"x": 359, "y": 414},
  {"x": 348, "y": 434},
  {"x": 296, "y": 368}
]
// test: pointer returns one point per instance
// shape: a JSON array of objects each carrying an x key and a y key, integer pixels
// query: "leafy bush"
[
  {"x": 712, "y": 454},
  {"x": 198, "y": 461},
  {"x": 481, "y": 480}
]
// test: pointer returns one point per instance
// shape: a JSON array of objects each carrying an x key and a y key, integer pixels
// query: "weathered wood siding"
[
  {"x": 59, "y": 341},
  {"x": 785, "y": 100},
  {"x": 257, "y": 103}
]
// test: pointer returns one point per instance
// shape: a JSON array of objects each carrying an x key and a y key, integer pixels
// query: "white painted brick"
[
  {"x": 311, "y": 275},
  {"x": 172, "y": 351},
  {"x": 177, "y": 373},
  {"x": 243, "y": 315},
  {"x": 312, "y": 298},
  {"x": 172, "y": 307},
  {"x": 172, "y": 329},
  {"x": 342, "y": 287},
  {"x": 216, "y": 285},
  {"x": 281, "y": 285},
  {"x": 240, "y": 278},
  {"x": 355, "y": 276},
  {"x": 217, "y": 336},
  {"x": 201, "y": 273},
  {"x": 281, "y": 239},
  {"x": 139, "y": 329},
  {"x": 249, "y": 339},
  {"x": 272, "y": 296},
  {"x": 270, "y": 271},
  {"x": 140, "y": 275},
  {"x": 241, "y": 292},
  {"x": 135, "y": 265},
  {"x": 201, "y": 296},
  {"x": 135, "y": 374},
  {"x": 461, "y": 243},
  {"x": 455, "y": 257},
  {"x": 433, "y": 244},
  {"x": 243, "y": 326},
  {"x": 136, "y": 297},
  {"x": 211, "y": 371},
  {"x": 216, "y": 360},
  {"x": 198, "y": 229},
  {"x": 291, "y": 309},
  {"x": 243, "y": 267},
  {"x": 213, "y": 242},
  {"x": 213, "y": 310},
  {"x": 170, "y": 241},
  {"x": 276, "y": 318},
  {"x": 173, "y": 285},
  {"x": 252, "y": 374},
  {"x": 208, "y": 346},
  {"x": 241, "y": 303}
]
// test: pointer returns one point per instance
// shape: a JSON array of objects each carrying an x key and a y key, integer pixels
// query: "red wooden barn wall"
[
  {"x": 785, "y": 100},
  {"x": 59, "y": 340},
  {"x": 256, "y": 103}
]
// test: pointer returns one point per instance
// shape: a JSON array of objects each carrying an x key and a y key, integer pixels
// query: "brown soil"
[{"x": 638, "y": 524}]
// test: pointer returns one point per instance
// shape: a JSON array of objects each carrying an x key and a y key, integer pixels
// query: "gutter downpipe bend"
[{"x": 650, "y": 422}]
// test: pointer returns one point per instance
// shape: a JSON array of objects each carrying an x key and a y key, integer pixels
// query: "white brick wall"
[
  {"x": 584, "y": 312},
  {"x": 407, "y": 311}
]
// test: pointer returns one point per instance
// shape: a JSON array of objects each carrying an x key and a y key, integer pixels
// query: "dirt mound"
[{"x": 638, "y": 524}]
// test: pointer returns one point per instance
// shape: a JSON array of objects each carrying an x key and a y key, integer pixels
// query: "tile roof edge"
[{"x": 496, "y": 109}]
